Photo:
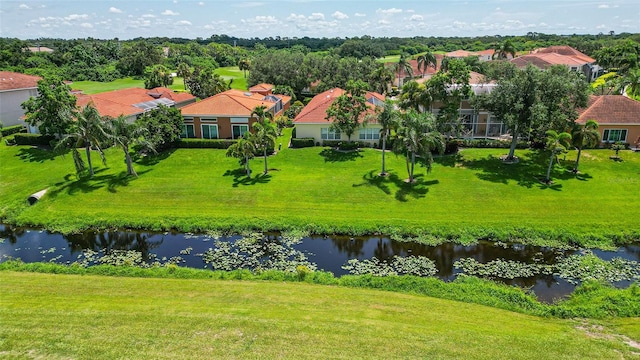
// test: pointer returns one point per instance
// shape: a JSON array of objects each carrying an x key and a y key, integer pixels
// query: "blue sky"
[{"x": 27, "y": 19}]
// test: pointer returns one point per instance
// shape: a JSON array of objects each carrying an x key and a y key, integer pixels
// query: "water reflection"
[{"x": 329, "y": 253}]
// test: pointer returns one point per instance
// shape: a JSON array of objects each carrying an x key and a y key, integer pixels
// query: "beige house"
[
  {"x": 312, "y": 122},
  {"x": 618, "y": 118},
  {"x": 15, "y": 88}
]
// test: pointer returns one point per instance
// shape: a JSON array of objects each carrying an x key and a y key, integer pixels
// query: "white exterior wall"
[
  {"x": 313, "y": 131},
  {"x": 10, "y": 109}
]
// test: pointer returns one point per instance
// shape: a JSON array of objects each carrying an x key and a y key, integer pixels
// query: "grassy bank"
[
  {"x": 105, "y": 317},
  {"x": 468, "y": 196}
]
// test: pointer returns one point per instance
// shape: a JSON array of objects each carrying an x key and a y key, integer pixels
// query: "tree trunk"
[
  {"x": 413, "y": 164},
  {"x": 514, "y": 142},
  {"x": 384, "y": 146},
  {"x": 575, "y": 168},
  {"x": 127, "y": 158},
  {"x": 548, "y": 178},
  {"x": 408, "y": 162},
  {"x": 87, "y": 149},
  {"x": 246, "y": 166},
  {"x": 266, "y": 169}
]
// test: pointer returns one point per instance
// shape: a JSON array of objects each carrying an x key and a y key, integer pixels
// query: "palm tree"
[
  {"x": 265, "y": 134},
  {"x": 261, "y": 113},
  {"x": 556, "y": 143},
  {"x": 382, "y": 76},
  {"x": 243, "y": 149},
  {"x": 184, "y": 71},
  {"x": 425, "y": 60},
  {"x": 584, "y": 136},
  {"x": 403, "y": 66},
  {"x": 244, "y": 64},
  {"x": 415, "y": 96},
  {"x": 126, "y": 134},
  {"x": 387, "y": 119},
  {"x": 503, "y": 50},
  {"x": 87, "y": 131},
  {"x": 416, "y": 137}
]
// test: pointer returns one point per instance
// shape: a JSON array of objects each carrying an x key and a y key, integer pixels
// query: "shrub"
[
  {"x": 302, "y": 142},
  {"x": 205, "y": 143},
  {"x": 32, "y": 139},
  {"x": 488, "y": 143},
  {"x": 10, "y": 130},
  {"x": 344, "y": 145}
]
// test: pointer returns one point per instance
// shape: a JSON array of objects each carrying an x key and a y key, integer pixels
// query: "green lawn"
[
  {"x": 465, "y": 196},
  {"x": 92, "y": 317},
  {"x": 94, "y": 87}
]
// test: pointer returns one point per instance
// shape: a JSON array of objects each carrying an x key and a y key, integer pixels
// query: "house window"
[
  {"x": 239, "y": 130},
  {"x": 187, "y": 131},
  {"x": 209, "y": 131},
  {"x": 209, "y": 119},
  {"x": 369, "y": 134},
  {"x": 613, "y": 135},
  {"x": 329, "y": 134}
]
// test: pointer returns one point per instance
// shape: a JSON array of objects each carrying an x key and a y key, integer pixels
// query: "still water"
[{"x": 329, "y": 253}]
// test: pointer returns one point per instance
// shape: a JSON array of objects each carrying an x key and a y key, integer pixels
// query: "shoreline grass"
[
  {"x": 467, "y": 197},
  {"x": 104, "y": 317}
]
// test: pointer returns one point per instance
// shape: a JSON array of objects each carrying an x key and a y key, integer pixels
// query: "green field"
[
  {"x": 94, "y": 87},
  {"x": 468, "y": 196},
  {"x": 93, "y": 317}
]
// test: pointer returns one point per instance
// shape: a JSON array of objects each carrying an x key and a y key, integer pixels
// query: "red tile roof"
[
  {"x": 14, "y": 81},
  {"x": 261, "y": 87},
  {"x": 231, "y": 103},
  {"x": 316, "y": 110},
  {"x": 611, "y": 110},
  {"x": 121, "y": 102},
  {"x": 567, "y": 51},
  {"x": 460, "y": 54}
]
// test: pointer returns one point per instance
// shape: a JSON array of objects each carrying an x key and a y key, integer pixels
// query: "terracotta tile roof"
[
  {"x": 231, "y": 103},
  {"x": 460, "y": 54},
  {"x": 567, "y": 51},
  {"x": 40, "y": 49},
  {"x": 611, "y": 110},
  {"x": 10, "y": 80},
  {"x": 486, "y": 52},
  {"x": 121, "y": 102},
  {"x": 261, "y": 87},
  {"x": 316, "y": 110}
]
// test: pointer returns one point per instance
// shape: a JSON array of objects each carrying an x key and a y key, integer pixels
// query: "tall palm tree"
[
  {"x": 415, "y": 96},
  {"x": 184, "y": 71},
  {"x": 261, "y": 113},
  {"x": 243, "y": 149},
  {"x": 503, "y": 50},
  {"x": 88, "y": 131},
  {"x": 244, "y": 64},
  {"x": 425, "y": 60},
  {"x": 416, "y": 137},
  {"x": 556, "y": 143},
  {"x": 584, "y": 136},
  {"x": 264, "y": 136},
  {"x": 382, "y": 77},
  {"x": 126, "y": 134},
  {"x": 387, "y": 119},
  {"x": 403, "y": 66}
]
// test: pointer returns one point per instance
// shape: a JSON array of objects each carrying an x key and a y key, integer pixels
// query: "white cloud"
[
  {"x": 360, "y": 15},
  {"x": 294, "y": 17},
  {"x": 148, "y": 16},
  {"x": 183, "y": 23},
  {"x": 316, "y": 17},
  {"x": 261, "y": 21},
  {"x": 201, "y": 3},
  {"x": 603, "y": 6},
  {"x": 170, "y": 13},
  {"x": 86, "y": 25},
  {"x": 384, "y": 22},
  {"x": 416, "y": 18},
  {"x": 339, "y": 15},
  {"x": 76, "y": 17},
  {"x": 389, "y": 11},
  {"x": 115, "y": 10},
  {"x": 601, "y": 26},
  {"x": 248, "y": 4},
  {"x": 24, "y": 7}
]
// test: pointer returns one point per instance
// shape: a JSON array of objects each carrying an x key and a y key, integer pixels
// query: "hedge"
[
  {"x": 205, "y": 143},
  {"x": 32, "y": 139},
  {"x": 488, "y": 143},
  {"x": 302, "y": 142},
  {"x": 10, "y": 130},
  {"x": 344, "y": 145}
]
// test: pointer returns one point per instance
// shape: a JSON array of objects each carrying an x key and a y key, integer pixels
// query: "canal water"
[{"x": 329, "y": 253}]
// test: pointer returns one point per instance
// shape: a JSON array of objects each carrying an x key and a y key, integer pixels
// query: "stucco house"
[
  {"x": 618, "y": 118},
  {"x": 15, "y": 88},
  {"x": 133, "y": 102},
  {"x": 561, "y": 55},
  {"x": 227, "y": 115},
  {"x": 312, "y": 122}
]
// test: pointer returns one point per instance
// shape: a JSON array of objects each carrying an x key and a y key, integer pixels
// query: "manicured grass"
[
  {"x": 94, "y": 87},
  {"x": 69, "y": 316},
  {"x": 233, "y": 72},
  {"x": 467, "y": 196}
]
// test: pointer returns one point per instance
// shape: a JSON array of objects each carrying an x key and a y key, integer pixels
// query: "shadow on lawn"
[
  {"x": 331, "y": 155},
  {"x": 418, "y": 189},
  {"x": 86, "y": 184},
  {"x": 36, "y": 154},
  {"x": 153, "y": 159},
  {"x": 530, "y": 171},
  {"x": 240, "y": 177}
]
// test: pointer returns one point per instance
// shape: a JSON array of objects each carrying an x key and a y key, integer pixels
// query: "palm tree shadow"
[
  {"x": 153, "y": 159},
  {"x": 331, "y": 155},
  {"x": 240, "y": 178},
  {"x": 86, "y": 184},
  {"x": 34, "y": 154},
  {"x": 448, "y": 160},
  {"x": 417, "y": 190}
]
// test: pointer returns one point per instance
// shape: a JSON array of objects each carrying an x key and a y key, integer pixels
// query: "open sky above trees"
[{"x": 28, "y": 19}]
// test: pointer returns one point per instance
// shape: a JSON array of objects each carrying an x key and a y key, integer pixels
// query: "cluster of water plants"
[
  {"x": 574, "y": 268},
  {"x": 124, "y": 258},
  {"x": 410, "y": 265}
]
